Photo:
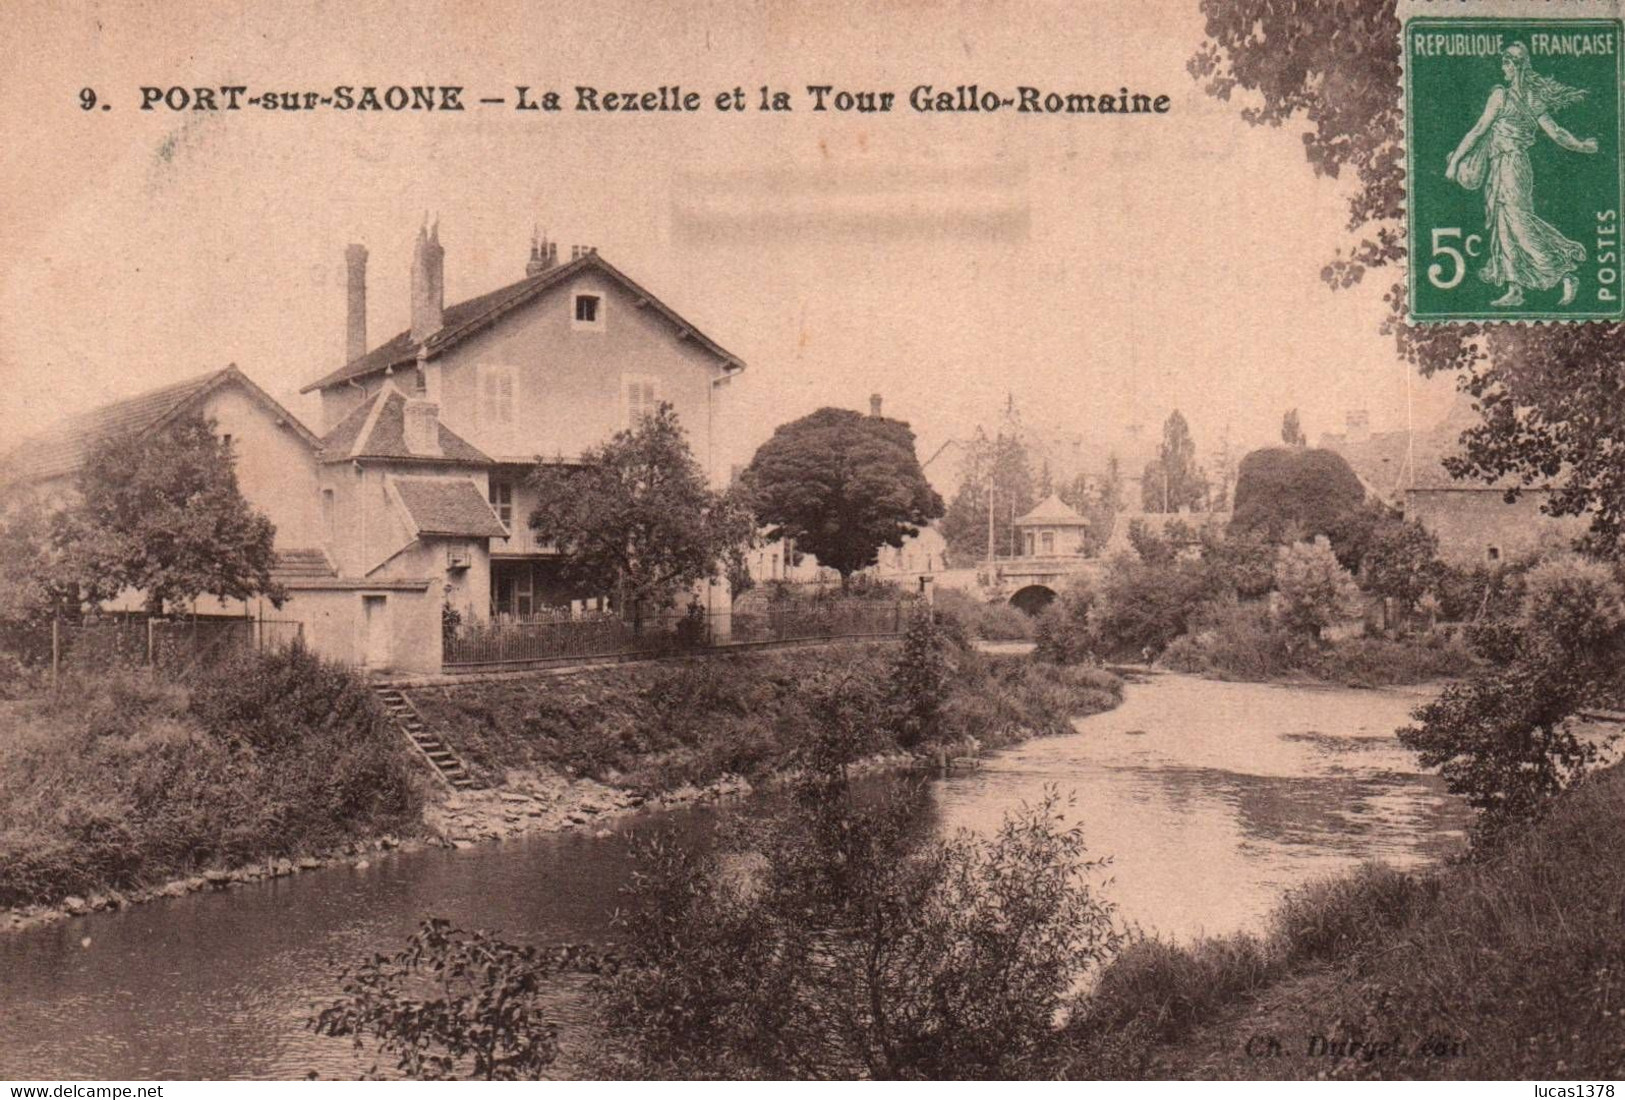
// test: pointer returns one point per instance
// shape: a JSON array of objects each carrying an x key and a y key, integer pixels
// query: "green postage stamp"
[{"x": 1513, "y": 162}]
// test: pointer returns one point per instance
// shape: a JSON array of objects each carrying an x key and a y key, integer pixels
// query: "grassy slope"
[
  {"x": 659, "y": 725},
  {"x": 1513, "y": 968},
  {"x": 118, "y": 783},
  {"x": 125, "y": 781}
]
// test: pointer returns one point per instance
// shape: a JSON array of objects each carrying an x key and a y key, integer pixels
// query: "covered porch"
[{"x": 527, "y": 588}]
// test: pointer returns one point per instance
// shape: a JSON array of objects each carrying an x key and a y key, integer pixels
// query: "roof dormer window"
[{"x": 589, "y": 312}]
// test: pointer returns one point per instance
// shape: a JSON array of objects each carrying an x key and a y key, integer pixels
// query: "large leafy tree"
[
  {"x": 637, "y": 517},
  {"x": 1291, "y": 493},
  {"x": 842, "y": 485},
  {"x": 162, "y": 513},
  {"x": 1391, "y": 555},
  {"x": 1550, "y": 396},
  {"x": 1172, "y": 481}
]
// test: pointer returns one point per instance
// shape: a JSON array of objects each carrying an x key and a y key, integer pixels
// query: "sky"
[{"x": 1101, "y": 270}]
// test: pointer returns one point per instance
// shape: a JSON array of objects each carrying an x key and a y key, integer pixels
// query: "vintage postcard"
[{"x": 860, "y": 541}]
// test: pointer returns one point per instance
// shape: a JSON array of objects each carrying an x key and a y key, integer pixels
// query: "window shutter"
[{"x": 641, "y": 400}]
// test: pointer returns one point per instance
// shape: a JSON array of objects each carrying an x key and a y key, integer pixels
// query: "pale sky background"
[{"x": 1101, "y": 269}]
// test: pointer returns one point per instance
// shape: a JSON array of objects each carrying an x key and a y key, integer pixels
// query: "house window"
[
  {"x": 642, "y": 397},
  {"x": 589, "y": 311},
  {"x": 1493, "y": 553},
  {"x": 1049, "y": 542},
  {"x": 327, "y": 514},
  {"x": 502, "y": 502},
  {"x": 496, "y": 396},
  {"x": 1032, "y": 545},
  {"x": 226, "y": 439}
]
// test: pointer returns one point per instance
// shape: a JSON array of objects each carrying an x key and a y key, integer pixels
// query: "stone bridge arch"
[{"x": 1033, "y": 599}]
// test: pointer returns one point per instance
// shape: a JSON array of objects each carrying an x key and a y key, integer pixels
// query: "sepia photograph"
[{"x": 877, "y": 540}]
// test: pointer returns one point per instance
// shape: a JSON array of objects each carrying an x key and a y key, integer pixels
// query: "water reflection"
[{"x": 1211, "y": 798}]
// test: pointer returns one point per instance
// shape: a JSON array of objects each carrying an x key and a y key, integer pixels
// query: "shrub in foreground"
[
  {"x": 838, "y": 942},
  {"x": 452, "y": 1005},
  {"x": 1505, "y": 740}
]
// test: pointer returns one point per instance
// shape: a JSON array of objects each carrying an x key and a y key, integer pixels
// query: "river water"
[{"x": 1210, "y": 799}]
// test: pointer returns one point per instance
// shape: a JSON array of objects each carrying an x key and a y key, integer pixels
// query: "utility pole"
[{"x": 990, "y": 546}]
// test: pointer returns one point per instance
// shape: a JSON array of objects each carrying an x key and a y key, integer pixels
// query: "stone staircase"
[{"x": 428, "y": 744}]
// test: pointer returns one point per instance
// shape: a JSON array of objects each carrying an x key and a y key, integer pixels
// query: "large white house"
[{"x": 412, "y": 497}]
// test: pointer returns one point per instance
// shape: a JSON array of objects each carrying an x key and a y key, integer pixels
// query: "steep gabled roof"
[
  {"x": 1381, "y": 460},
  {"x": 1054, "y": 511},
  {"x": 377, "y": 429},
  {"x": 1392, "y": 464},
  {"x": 464, "y": 319},
  {"x": 447, "y": 506},
  {"x": 62, "y": 450}
]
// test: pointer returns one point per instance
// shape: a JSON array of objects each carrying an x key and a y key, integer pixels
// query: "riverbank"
[
  {"x": 569, "y": 751},
  {"x": 134, "y": 789},
  {"x": 1510, "y": 968},
  {"x": 123, "y": 785},
  {"x": 1258, "y": 653}
]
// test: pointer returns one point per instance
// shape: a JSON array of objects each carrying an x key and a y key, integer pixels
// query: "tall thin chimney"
[
  {"x": 428, "y": 284},
  {"x": 874, "y": 405},
  {"x": 544, "y": 254},
  {"x": 355, "y": 321}
]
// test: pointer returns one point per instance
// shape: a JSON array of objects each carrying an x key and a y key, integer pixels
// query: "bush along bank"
[
  {"x": 1237, "y": 607},
  {"x": 668, "y": 731},
  {"x": 123, "y": 785}
]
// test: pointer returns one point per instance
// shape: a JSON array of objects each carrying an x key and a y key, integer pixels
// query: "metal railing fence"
[
  {"x": 557, "y": 639},
  {"x": 175, "y": 646}
]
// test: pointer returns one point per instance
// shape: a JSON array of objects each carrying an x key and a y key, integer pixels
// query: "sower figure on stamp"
[{"x": 1525, "y": 251}]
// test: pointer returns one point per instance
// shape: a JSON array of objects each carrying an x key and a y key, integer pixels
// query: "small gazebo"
[{"x": 1052, "y": 529}]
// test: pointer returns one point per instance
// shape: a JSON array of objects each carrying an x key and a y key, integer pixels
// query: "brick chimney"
[
  {"x": 544, "y": 254},
  {"x": 355, "y": 297},
  {"x": 874, "y": 405},
  {"x": 428, "y": 284}
]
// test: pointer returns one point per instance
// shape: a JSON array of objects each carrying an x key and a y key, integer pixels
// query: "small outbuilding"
[{"x": 1052, "y": 529}]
